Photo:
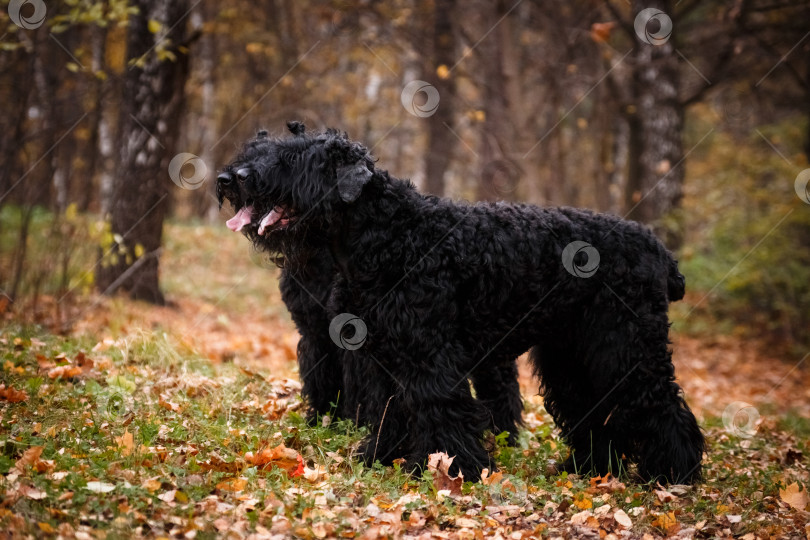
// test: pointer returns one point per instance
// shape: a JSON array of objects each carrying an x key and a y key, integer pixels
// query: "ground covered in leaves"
[{"x": 184, "y": 422}]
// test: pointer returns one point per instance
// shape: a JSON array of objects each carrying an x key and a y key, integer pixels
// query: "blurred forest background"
[{"x": 118, "y": 113}]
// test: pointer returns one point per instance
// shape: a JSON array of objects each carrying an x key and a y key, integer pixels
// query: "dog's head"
[{"x": 283, "y": 188}]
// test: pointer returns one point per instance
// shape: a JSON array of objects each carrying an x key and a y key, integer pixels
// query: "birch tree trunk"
[{"x": 656, "y": 172}]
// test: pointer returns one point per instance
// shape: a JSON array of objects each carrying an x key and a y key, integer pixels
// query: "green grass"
[{"x": 192, "y": 422}]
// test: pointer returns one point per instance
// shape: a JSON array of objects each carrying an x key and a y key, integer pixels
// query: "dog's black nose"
[
  {"x": 225, "y": 178},
  {"x": 243, "y": 173}
]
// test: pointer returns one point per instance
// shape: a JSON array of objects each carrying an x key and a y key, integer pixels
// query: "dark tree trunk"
[
  {"x": 150, "y": 122},
  {"x": 497, "y": 169},
  {"x": 441, "y": 140},
  {"x": 655, "y": 182}
]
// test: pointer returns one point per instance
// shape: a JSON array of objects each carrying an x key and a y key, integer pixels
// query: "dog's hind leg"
[
  {"x": 628, "y": 364},
  {"x": 577, "y": 408},
  {"x": 496, "y": 386},
  {"x": 663, "y": 435}
]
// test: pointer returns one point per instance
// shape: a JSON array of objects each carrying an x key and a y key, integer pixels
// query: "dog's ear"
[
  {"x": 352, "y": 165},
  {"x": 351, "y": 178},
  {"x": 296, "y": 128}
]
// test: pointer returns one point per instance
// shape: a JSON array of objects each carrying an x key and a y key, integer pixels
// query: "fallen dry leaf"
[
  {"x": 664, "y": 495},
  {"x": 11, "y": 394},
  {"x": 32, "y": 492},
  {"x": 439, "y": 463},
  {"x": 467, "y": 522},
  {"x": 151, "y": 485},
  {"x": 279, "y": 456},
  {"x": 126, "y": 443},
  {"x": 232, "y": 484},
  {"x": 606, "y": 484},
  {"x": 65, "y": 372},
  {"x": 581, "y": 518},
  {"x": 169, "y": 405},
  {"x": 623, "y": 519},
  {"x": 100, "y": 487},
  {"x": 794, "y": 496},
  {"x": 667, "y": 522},
  {"x": 29, "y": 457},
  {"x": 488, "y": 479},
  {"x": 583, "y": 502},
  {"x": 169, "y": 495},
  {"x": 46, "y": 527}
]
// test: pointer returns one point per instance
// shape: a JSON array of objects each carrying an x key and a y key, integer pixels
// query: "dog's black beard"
[{"x": 291, "y": 247}]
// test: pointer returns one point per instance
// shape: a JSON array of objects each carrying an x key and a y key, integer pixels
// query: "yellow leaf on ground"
[
  {"x": 151, "y": 485},
  {"x": 666, "y": 521},
  {"x": 583, "y": 502}
]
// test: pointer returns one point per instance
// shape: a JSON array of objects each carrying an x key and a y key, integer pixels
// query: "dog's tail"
[{"x": 676, "y": 282}]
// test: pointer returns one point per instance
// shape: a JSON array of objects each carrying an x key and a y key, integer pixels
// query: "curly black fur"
[{"x": 452, "y": 293}]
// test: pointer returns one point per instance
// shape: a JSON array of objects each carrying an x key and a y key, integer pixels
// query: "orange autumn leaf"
[
  {"x": 169, "y": 405},
  {"x": 12, "y": 395},
  {"x": 280, "y": 456},
  {"x": 232, "y": 484},
  {"x": 491, "y": 479},
  {"x": 126, "y": 443},
  {"x": 29, "y": 457},
  {"x": 65, "y": 372},
  {"x": 605, "y": 484}
]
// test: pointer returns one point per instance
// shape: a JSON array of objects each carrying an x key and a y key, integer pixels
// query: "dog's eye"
[
  {"x": 225, "y": 178},
  {"x": 243, "y": 173}
]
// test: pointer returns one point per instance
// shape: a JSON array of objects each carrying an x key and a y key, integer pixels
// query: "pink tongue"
[
  {"x": 241, "y": 219},
  {"x": 270, "y": 219}
]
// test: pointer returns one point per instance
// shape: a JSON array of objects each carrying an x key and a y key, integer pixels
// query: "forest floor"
[{"x": 184, "y": 422}]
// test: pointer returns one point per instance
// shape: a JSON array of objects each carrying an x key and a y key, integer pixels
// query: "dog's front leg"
[{"x": 319, "y": 358}]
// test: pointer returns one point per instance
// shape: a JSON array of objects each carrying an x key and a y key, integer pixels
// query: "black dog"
[{"x": 451, "y": 292}]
